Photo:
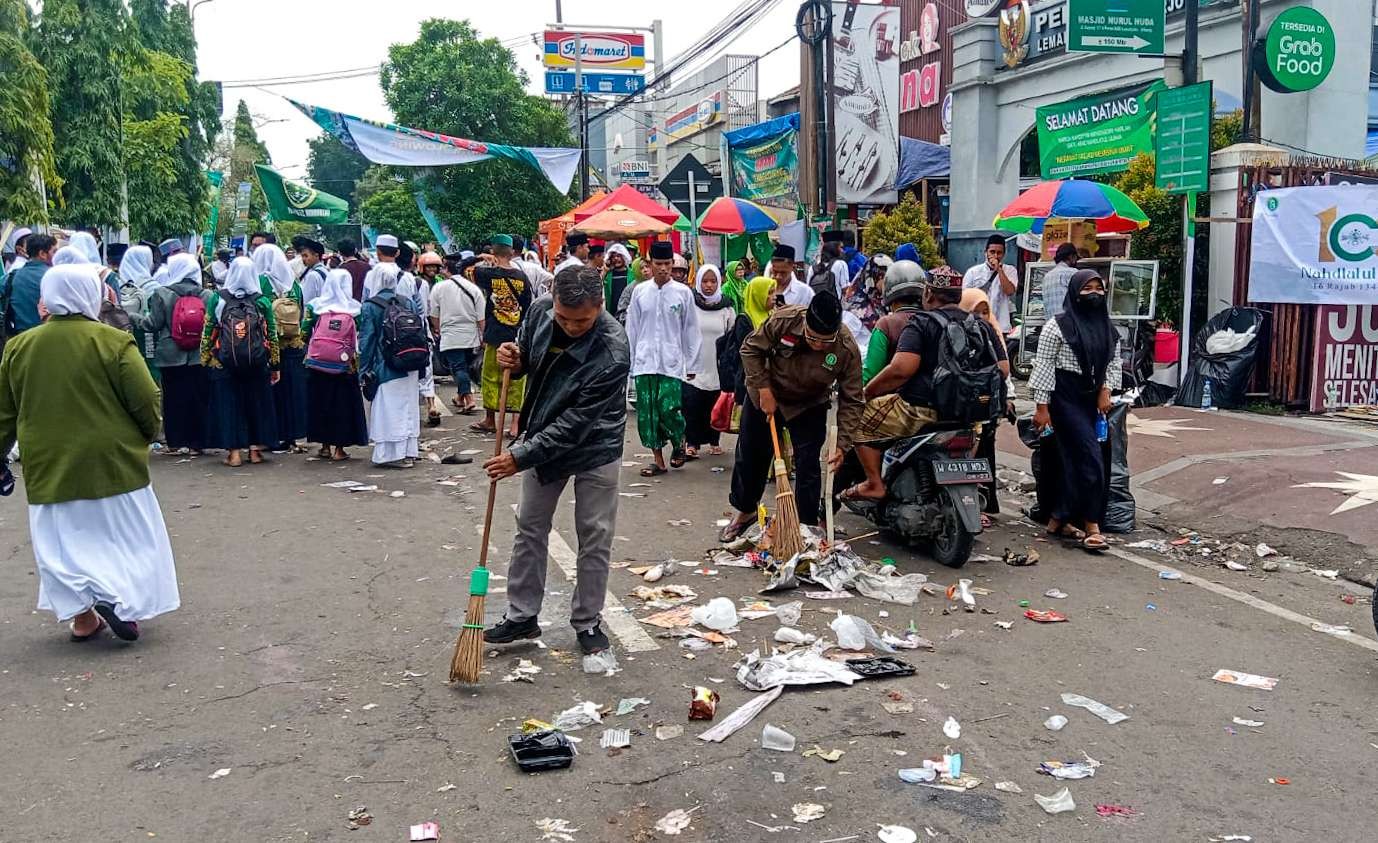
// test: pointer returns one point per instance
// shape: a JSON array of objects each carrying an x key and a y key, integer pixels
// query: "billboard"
[
  {"x": 1345, "y": 364},
  {"x": 1099, "y": 133},
  {"x": 864, "y": 101},
  {"x": 1315, "y": 245},
  {"x": 601, "y": 50},
  {"x": 764, "y": 162}
]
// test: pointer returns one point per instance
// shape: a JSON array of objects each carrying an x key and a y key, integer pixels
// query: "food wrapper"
[{"x": 703, "y": 705}]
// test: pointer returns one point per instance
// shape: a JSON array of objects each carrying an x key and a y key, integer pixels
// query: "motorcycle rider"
[
  {"x": 791, "y": 364},
  {"x": 904, "y": 282},
  {"x": 899, "y": 399}
]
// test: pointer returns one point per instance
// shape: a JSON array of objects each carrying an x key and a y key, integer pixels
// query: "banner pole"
[{"x": 1188, "y": 262}]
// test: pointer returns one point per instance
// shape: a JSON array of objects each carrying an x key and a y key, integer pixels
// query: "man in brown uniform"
[{"x": 792, "y": 362}]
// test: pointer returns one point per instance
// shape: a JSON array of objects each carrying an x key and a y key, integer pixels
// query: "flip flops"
[
  {"x": 653, "y": 471},
  {"x": 124, "y": 630},
  {"x": 72, "y": 627}
]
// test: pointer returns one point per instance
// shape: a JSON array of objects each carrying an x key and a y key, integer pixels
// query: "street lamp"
[{"x": 191, "y": 9}]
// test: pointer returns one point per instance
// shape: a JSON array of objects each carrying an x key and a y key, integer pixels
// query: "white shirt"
[
  {"x": 312, "y": 282},
  {"x": 979, "y": 277},
  {"x": 537, "y": 276},
  {"x": 297, "y": 265},
  {"x": 842, "y": 276},
  {"x": 458, "y": 303},
  {"x": 712, "y": 324},
  {"x": 18, "y": 263},
  {"x": 798, "y": 292},
  {"x": 663, "y": 330},
  {"x": 568, "y": 262}
]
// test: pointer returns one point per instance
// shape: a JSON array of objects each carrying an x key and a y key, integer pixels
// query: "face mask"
[{"x": 1093, "y": 301}]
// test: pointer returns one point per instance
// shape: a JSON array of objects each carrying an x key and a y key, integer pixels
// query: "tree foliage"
[
  {"x": 154, "y": 93},
  {"x": 450, "y": 81},
  {"x": 335, "y": 169},
  {"x": 82, "y": 44},
  {"x": 26, "y": 135},
  {"x": 906, "y": 222},
  {"x": 387, "y": 202},
  {"x": 244, "y": 150}
]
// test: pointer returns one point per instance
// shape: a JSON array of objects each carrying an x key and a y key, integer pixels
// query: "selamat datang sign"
[{"x": 599, "y": 51}]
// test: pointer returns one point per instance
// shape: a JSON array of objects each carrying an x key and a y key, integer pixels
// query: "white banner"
[
  {"x": 1315, "y": 245},
  {"x": 865, "y": 101}
]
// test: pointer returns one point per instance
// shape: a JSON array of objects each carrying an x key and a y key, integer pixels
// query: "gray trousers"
[{"x": 595, "y": 520}]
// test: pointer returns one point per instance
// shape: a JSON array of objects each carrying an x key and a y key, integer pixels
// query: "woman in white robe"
[{"x": 394, "y": 414}]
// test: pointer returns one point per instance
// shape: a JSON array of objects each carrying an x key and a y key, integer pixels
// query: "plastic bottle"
[
  {"x": 1047, "y": 431},
  {"x": 1206, "y": 395},
  {"x": 1102, "y": 428}
]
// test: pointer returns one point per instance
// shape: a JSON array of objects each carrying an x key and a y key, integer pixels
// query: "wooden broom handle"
[
  {"x": 493, "y": 484},
  {"x": 774, "y": 436}
]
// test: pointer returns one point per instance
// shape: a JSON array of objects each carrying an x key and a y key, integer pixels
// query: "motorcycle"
[
  {"x": 932, "y": 491},
  {"x": 1022, "y": 345}
]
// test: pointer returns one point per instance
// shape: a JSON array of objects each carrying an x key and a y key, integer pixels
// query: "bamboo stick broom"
[
  {"x": 468, "y": 657},
  {"x": 787, "y": 542}
]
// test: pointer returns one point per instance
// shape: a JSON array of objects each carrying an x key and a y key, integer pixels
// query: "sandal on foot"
[
  {"x": 480, "y": 427},
  {"x": 1067, "y": 533},
  {"x": 733, "y": 530},
  {"x": 851, "y": 493},
  {"x": 653, "y": 471},
  {"x": 124, "y": 630},
  {"x": 1094, "y": 543},
  {"x": 72, "y": 627},
  {"x": 677, "y": 459}
]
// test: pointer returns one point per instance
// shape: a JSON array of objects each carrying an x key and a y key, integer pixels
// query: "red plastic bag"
[{"x": 721, "y": 418}]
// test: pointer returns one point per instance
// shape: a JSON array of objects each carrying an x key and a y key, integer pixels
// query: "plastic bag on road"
[
  {"x": 1119, "y": 503},
  {"x": 1228, "y": 371},
  {"x": 880, "y": 582},
  {"x": 853, "y": 633},
  {"x": 800, "y": 667},
  {"x": 719, "y": 614}
]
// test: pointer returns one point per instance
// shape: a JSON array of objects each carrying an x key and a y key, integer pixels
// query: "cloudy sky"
[{"x": 258, "y": 39}]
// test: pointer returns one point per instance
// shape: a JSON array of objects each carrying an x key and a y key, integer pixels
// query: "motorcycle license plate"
[{"x": 962, "y": 471}]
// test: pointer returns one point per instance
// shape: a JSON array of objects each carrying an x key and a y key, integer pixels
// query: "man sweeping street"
[{"x": 574, "y": 418}]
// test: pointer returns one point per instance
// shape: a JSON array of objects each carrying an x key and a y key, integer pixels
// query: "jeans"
[{"x": 458, "y": 360}]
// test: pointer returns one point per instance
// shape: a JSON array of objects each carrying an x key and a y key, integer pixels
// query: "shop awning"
[
  {"x": 762, "y": 131},
  {"x": 921, "y": 160},
  {"x": 628, "y": 197}
]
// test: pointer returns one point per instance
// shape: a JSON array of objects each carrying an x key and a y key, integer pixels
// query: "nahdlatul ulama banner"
[
  {"x": 1315, "y": 245},
  {"x": 768, "y": 169}
]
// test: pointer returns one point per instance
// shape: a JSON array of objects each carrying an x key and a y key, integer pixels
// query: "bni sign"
[{"x": 598, "y": 50}]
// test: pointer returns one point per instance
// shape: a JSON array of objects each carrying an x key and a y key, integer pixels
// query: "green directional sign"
[
  {"x": 1115, "y": 26},
  {"x": 1183, "y": 146}
]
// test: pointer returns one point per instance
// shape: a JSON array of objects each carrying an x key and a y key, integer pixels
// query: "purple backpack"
[{"x": 333, "y": 344}]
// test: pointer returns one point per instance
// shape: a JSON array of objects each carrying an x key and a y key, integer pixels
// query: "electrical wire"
[
  {"x": 264, "y": 85},
  {"x": 296, "y": 76}
]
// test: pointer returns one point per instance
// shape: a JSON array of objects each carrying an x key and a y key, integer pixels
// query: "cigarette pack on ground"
[{"x": 1248, "y": 680}]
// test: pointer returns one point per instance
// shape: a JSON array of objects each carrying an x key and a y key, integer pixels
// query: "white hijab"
[
  {"x": 698, "y": 283},
  {"x": 336, "y": 295},
  {"x": 86, "y": 245},
  {"x": 70, "y": 256},
  {"x": 72, "y": 289},
  {"x": 269, "y": 260},
  {"x": 136, "y": 267},
  {"x": 384, "y": 276},
  {"x": 182, "y": 267},
  {"x": 619, "y": 249}
]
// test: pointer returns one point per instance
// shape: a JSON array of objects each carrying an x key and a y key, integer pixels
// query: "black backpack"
[
  {"x": 821, "y": 280},
  {"x": 405, "y": 343},
  {"x": 967, "y": 384},
  {"x": 242, "y": 334}
]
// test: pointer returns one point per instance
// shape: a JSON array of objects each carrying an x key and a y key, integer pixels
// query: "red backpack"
[{"x": 188, "y": 319}]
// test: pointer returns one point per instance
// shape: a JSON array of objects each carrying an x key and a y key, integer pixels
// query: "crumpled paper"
[
  {"x": 800, "y": 667},
  {"x": 880, "y": 582}
]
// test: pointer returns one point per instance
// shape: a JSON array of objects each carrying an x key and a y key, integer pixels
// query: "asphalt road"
[{"x": 310, "y": 655}]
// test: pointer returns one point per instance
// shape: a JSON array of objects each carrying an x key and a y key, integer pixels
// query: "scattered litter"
[
  {"x": 790, "y": 635},
  {"x": 805, "y": 812},
  {"x": 578, "y": 717},
  {"x": 397, "y": 494},
  {"x": 1069, "y": 769},
  {"x": 220, "y": 774},
  {"x": 1280, "y": 781},
  {"x": 880, "y": 667},
  {"x": 525, "y": 671},
  {"x": 604, "y": 663},
  {"x": 832, "y": 756},
  {"x": 665, "y": 596},
  {"x": 1331, "y": 629},
  {"x": 680, "y": 522},
  {"x": 425, "y": 831},
  {"x": 1020, "y": 560},
  {"x": 543, "y": 750},
  {"x": 775, "y": 738},
  {"x": 739, "y": 718},
  {"x": 360, "y": 488},
  {"x": 1045, "y": 616},
  {"x": 911, "y": 641},
  {"x": 1121, "y": 811},
  {"x": 1252, "y": 724},
  {"x": 675, "y": 821},
  {"x": 1169, "y": 575},
  {"x": 883, "y": 583},
  {"x": 1220, "y": 481},
  {"x": 1008, "y": 787},
  {"x": 372, "y": 706},
  {"x": 675, "y": 618},
  {"x": 789, "y": 613},
  {"x": 1104, "y": 712},
  {"x": 1235, "y": 566},
  {"x": 1347, "y": 599},
  {"x": 897, "y": 704},
  {"x": 952, "y": 728},
  {"x": 446, "y": 788},
  {"x": 1055, "y": 723},
  {"x": 1231, "y": 838},
  {"x": 827, "y": 595},
  {"x": 358, "y": 818},
  {"x": 1247, "y": 680},
  {"x": 854, "y": 633},
  {"x": 1156, "y": 545},
  {"x": 1330, "y": 574},
  {"x": 629, "y": 704},
  {"x": 718, "y": 614},
  {"x": 665, "y": 733},
  {"x": 556, "y": 829},
  {"x": 777, "y": 776},
  {"x": 342, "y": 484},
  {"x": 800, "y": 667},
  {"x": 1005, "y": 624},
  {"x": 654, "y": 573},
  {"x": 1057, "y": 803},
  {"x": 962, "y": 591},
  {"x": 1263, "y": 550},
  {"x": 982, "y": 557},
  {"x": 703, "y": 703},
  {"x": 1055, "y": 594},
  {"x": 469, "y": 452},
  {"x": 896, "y": 834},
  {"x": 616, "y": 738}
]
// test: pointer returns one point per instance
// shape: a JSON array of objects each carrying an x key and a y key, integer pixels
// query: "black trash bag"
[
  {"x": 1046, "y": 469},
  {"x": 1228, "y": 373},
  {"x": 1154, "y": 394},
  {"x": 1119, "y": 502}
]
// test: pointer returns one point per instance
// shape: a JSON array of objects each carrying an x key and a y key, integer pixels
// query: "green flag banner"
[
  {"x": 215, "y": 178},
  {"x": 1100, "y": 133},
  {"x": 289, "y": 200}
]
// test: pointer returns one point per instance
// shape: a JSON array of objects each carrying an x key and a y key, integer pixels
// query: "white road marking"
[
  {"x": 619, "y": 620},
  {"x": 1246, "y": 599}
]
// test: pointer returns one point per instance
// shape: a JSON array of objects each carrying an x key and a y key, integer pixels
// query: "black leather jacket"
[{"x": 575, "y": 418}]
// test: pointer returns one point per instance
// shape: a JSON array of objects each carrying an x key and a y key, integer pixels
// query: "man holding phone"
[{"x": 997, "y": 280}]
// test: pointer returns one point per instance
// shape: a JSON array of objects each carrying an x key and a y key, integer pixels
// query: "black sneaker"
[
  {"x": 509, "y": 631},
  {"x": 593, "y": 640}
]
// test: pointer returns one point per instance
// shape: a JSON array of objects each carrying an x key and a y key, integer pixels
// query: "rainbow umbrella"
[
  {"x": 727, "y": 215},
  {"x": 1112, "y": 211}
]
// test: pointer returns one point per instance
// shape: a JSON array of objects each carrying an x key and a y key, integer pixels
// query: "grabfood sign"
[{"x": 1296, "y": 51}]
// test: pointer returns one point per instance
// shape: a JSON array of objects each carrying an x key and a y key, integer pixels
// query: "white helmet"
[{"x": 904, "y": 280}]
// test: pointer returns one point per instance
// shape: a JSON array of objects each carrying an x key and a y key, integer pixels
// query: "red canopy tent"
[{"x": 629, "y": 197}]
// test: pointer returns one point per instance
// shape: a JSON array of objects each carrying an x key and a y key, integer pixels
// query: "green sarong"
[
  {"x": 491, "y": 384},
  {"x": 658, "y": 416}
]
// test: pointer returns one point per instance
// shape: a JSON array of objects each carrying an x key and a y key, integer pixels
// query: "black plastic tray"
[
  {"x": 544, "y": 750},
  {"x": 880, "y": 667}
]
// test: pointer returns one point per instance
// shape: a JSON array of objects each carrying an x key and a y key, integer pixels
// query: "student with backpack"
[
  {"x": 289, "y": 392},
  {"x": 394, "y": 348},
  {"x": 174, "y": 321},
  {"x": 334, "y": 408},
  {"x": 239, "y": 347}
]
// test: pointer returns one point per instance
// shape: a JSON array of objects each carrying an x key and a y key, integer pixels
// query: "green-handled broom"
[
  {"x": 468, "y": 658},
  {"x": 786, "y": 543}
]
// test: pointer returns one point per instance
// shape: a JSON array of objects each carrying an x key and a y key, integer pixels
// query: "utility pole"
[
  {"x": 1190, "y": 61},
  {"x": 1249, "y": 14},
  {"x": 813, "y": 25},
  {"x": 582, "y": 117}
]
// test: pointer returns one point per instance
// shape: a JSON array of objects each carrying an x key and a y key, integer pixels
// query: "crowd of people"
[{"x": 271, "y": 350}]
